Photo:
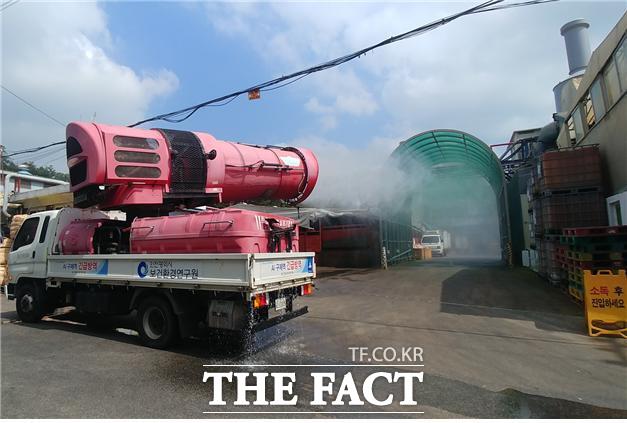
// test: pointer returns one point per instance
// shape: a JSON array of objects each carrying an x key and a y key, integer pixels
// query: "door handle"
[{"x": 33, "y": 254}]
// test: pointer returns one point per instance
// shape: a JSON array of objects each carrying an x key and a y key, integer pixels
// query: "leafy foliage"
[{"x": 43, "y": 171}]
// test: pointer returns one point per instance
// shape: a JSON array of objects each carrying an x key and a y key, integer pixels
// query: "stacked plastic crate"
[
  {"x": 595, "y": 248},
  {"x": 568, "y": 192}
]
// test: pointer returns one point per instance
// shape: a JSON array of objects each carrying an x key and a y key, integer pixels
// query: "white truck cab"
[{"x": 434, "y": 241}]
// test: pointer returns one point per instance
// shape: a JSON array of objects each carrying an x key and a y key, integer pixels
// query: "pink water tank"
[{"x": 227, "y": 230}]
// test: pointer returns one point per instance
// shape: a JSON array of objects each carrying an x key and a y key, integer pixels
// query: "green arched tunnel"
[{"x": 459, "y": 155}]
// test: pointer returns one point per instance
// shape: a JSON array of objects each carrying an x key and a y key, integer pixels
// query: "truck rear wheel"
[
  {"x": 30, "y": 302},
  {"x": 157, "y": 324}
]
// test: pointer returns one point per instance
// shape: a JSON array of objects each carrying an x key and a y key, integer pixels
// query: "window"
[
  {"x": 621, "y": 64},
  {"x": 571, "y": 130},
  {"x": 612, "y": 85},
  {"x": 589, "y": 111},
  {"x": 26, "y": 234},
  {"x": 598, "y": 102},
  {"x": 44, "y": 229},
  {"x": 578, "y": 123},
  {"x": 431, "y": 239},
  {"x": 137, "y": 172},
  {"x": 134, "y": 142},
  {"x": 136, "y": 156}
]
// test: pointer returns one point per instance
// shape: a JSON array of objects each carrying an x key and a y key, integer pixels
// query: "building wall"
[
  {"x": 608, "y": 129},
  {"x": 24, "y": 184},
  {"x": 611, "y": 135},
  {"x": 617, "y": 209}
]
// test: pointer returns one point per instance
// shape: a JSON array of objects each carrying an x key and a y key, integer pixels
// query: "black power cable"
[
  {"x": 6, "y": 4},
  {"x": 32, "y": 150},
  {"x": 276, "y": 83},
  {"x": 52, "y": 118}
]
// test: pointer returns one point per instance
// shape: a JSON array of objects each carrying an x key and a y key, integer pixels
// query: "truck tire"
[
  {"x": 30, "y": 302},
  {"x": 157, "y": 324}
]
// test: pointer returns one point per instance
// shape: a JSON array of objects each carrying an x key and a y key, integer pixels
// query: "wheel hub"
[
  {"x": 154, "y": 323},
  {"x": 26, "y": 303}
]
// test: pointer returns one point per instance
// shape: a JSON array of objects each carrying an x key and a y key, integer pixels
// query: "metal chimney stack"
[{"x": 575, "y": 35}]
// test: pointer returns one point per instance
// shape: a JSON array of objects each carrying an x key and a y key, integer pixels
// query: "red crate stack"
[
  {"x": 567, "y": 191},
  {"x": 571, "y": 189},
  {"x": 567, "y": 169},
  {"x": 573, "y": 208}
]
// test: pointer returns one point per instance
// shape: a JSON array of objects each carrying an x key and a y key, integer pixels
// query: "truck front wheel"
[
  {"x": 30, "y": 302},
  {"x": 157, "y": 324}
]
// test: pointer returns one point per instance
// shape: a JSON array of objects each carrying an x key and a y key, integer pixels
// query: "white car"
[{"x": 435, "y": 243}]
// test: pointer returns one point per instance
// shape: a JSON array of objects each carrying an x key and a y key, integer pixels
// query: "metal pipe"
[{"x": 578, "y": 51}]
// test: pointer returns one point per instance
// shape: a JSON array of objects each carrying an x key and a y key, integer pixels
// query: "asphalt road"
[{"x": 496, "y": 342}]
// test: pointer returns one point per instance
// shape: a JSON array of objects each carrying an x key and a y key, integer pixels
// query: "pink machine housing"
[
  {"x": 226, "y": 230},
  {"x": 116, "y": 166},
  {"x": 78, "y": 236},
  {"x": 215, "y": 231},
  {"x": 96, "y": 236}
]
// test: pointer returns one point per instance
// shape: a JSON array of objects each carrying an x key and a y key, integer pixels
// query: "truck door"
[
  {"x": 28, "y": 252},
  {"x": 40, "y": 246}
]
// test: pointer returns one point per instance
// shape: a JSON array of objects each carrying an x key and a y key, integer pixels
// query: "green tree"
[{"x": 44, "y": 171}]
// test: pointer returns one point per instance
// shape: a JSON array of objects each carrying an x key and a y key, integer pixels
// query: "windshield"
[{"x": 431, "y": 239}]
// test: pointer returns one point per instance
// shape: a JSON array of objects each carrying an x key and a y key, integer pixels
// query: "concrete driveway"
[{"x": 496, "y": 342}]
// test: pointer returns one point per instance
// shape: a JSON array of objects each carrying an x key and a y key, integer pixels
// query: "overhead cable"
[{"x": 186, "y": 113}]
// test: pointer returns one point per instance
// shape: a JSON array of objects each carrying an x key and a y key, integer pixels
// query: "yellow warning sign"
[{"x": 605, "y": 297}]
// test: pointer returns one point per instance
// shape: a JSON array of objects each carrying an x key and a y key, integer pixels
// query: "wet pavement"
[{"x": 496, "y": 342}]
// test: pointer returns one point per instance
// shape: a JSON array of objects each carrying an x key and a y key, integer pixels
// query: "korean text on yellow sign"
[{"x": 605, "y": 296}]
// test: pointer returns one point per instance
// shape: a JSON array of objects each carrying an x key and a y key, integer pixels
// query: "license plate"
[{"x": 280, "y": 303}]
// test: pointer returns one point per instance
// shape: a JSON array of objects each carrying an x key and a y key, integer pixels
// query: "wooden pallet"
[
  {"x": 597, "y": 265},
  {"x": 597, "y": 256},
  {"x": 596, "y": 230},
  {"x": 602, "y": 247},
  {"x": 569, "y": 191}
]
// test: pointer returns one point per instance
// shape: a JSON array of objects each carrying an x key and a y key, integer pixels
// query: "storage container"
[
  {"x": 575, "y": 168},
  {"x": 214, "y": 231},
  {"x": 576, "y": 209}
]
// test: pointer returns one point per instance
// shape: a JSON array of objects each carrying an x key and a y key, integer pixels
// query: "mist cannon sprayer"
[{"x": 120, "y": 167}]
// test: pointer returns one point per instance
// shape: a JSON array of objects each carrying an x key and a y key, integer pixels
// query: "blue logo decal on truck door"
[{"x": 142, "y": 269}]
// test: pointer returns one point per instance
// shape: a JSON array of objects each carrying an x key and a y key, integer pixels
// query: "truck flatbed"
[
  {"x": 249, "y": 273},
  {"x": 175, "y": 295}
]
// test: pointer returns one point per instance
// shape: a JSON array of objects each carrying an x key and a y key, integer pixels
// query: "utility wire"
[
  {"x": 175, "y": 117},
  {"x": 53, "y": 157},
  {"x": 6, "y": 4},
  {"x": 277, "y": 83},
  {"x": 43, "y": 154},
  {"x": 33, "y": 106},
  {"x": 512, "y": 5},
  {"x": 32, "y": 150}
]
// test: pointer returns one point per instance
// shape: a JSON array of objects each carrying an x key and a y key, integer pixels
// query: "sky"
[{"x": 118, "y": 62}]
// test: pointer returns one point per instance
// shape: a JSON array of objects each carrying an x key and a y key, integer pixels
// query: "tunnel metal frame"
[{"x": 452, "y": 151}]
